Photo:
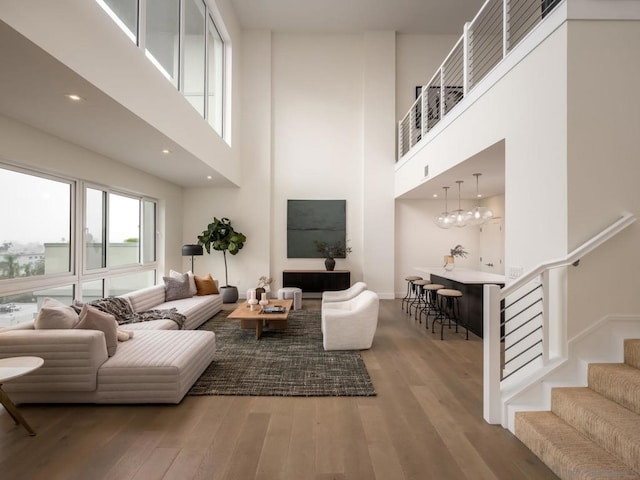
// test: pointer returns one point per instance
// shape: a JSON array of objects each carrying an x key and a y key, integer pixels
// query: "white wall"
[
  {"x": 27, "y": 147},
  {"x": 317, "y": 123},
  {"x": 603, "y": 167},
  {"x": 318, "y": 135}
]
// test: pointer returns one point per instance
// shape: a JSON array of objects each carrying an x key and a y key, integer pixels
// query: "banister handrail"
[{"x": 574, "y": 256}]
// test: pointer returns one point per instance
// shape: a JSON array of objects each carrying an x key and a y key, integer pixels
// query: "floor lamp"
[{"x": 191, "y": 250}]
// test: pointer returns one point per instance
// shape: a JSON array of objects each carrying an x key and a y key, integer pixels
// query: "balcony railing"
[{"x": 496, "y": 29}]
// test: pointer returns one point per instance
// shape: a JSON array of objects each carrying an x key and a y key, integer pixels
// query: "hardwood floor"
[{"x": 425, "y": 423}]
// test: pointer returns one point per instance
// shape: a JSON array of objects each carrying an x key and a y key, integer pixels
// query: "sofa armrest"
[{"x": 71, "y": 358}]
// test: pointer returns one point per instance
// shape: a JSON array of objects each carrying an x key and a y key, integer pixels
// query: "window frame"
[{"x": 78, "y": 273}]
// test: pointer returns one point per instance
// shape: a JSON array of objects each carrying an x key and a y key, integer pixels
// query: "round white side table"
[{"x": 14, "y": 367}]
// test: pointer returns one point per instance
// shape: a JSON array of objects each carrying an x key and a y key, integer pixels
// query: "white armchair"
[
  {"x": 350, "y": 325},
  {"x": 344, "y": 295}
]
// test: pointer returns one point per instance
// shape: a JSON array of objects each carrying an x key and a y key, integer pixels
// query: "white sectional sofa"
[{"x": 159, "y": 364}]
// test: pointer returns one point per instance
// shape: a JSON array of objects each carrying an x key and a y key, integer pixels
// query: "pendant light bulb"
[
  {"x": 444, "y": 219},
  {"x": 459, "y": 217},
  {"x": 479, "y": 214}
]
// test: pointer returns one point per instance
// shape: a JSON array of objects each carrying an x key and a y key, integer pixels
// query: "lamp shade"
[{"x": 189, "y": 250}]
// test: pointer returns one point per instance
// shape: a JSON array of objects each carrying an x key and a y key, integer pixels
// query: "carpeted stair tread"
[
  {"x": 632, "y": 352},
  {"x": 611, "y": 426},
  {"x": 618, "y": 382},
  {"x": 567, "y": 452}
]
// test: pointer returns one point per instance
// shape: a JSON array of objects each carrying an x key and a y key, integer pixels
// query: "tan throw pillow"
[
  {"x": 192, "y": 282},
  {"x": 206, "y": 285},
  {"x": 55, "y": 315},
  {"x": 176, "y": 288},
  {"x": 93, "y": 319}
]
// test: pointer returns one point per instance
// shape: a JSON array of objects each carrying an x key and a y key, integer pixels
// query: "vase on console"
[{"x": 329, "y": 264}]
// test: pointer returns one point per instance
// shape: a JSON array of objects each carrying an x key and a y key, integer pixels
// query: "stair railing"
[{"x": 517, "y": 336}]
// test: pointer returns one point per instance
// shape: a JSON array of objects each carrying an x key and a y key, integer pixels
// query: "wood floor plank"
[
  {"x": 244, "y": 462},
  {"x": 425, "y": 422},
  {"x": 384, "y": 459}
]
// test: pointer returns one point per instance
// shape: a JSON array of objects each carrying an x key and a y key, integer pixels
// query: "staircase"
[{"x": 591, "y": 432}]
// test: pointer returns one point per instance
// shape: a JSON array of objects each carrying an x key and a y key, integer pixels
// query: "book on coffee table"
[{"x": 273, "y": 309}]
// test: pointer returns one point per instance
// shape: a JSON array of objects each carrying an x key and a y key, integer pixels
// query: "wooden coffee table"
[{"x": 257, "y": 319}]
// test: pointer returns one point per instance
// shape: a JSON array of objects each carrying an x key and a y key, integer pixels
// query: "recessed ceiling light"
[
  {"x": 166, "y": 151},
  {"x": 435, "y": 195},
  {"x": 209, "y": 177},
  {"x": 74, "y": 97}
]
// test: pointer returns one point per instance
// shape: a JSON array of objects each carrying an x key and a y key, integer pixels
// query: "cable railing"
[
  {"x": 496, "y": 29},
  {"x": 517, "y": 320}
]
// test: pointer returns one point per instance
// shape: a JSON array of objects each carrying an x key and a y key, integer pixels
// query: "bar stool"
[
  {"x": 419, "y": 300},
  {"x": 408, "y": 298},
  {"x": 448, "y": 309},
  {"x": 431, "y": 302}
]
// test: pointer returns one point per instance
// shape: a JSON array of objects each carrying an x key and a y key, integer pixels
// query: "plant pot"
[
  {"x": 329, "y": 264},
  {"x": 229, "y": 294}
]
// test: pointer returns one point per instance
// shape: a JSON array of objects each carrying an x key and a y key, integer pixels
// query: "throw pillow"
[
  {"x": 93, "y": 319},
  {"x": 206, "y": 285},
  {"x": 54, "y": 314},
  {"x": 176, "y": 288},
  {"x": 192, "y": 282}
]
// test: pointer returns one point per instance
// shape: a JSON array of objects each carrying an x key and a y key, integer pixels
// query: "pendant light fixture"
[
  {"x": 459, "y": 217},
  {"x": 444, "y": 219},
  {"x": 479, "y": 214}
]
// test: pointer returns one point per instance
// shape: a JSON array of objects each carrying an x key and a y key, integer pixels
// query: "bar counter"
[{"x": 470, "y": 283}]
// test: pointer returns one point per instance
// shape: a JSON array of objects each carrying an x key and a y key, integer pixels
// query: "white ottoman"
[{"x": 294, "y": 293}]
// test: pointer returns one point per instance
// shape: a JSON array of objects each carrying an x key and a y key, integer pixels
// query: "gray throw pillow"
[{"x": 176, "y": 287}]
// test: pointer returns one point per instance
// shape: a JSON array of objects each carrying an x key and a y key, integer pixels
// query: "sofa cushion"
[
  {"x": 206, "y": 285},
  {"x": 155, "y": 367},
  {"x": 54, "y": 314},
  {"x": 192, "y": 281},
  {"x": 146, "y": 298},
  {"x": 93, "y": 319},
  {"x": 196, "y": 310},
  {"x": 176, "y": 288},
  {"x": 152, "y": 325}
]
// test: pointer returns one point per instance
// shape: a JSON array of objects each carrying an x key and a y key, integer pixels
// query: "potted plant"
[
  {"x": 221, "y": 236},
  {"x": 457, "y": 251},
  {"x": 330, "y": 251}
]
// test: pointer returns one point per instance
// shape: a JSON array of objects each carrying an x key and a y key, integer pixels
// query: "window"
[
  {"x": 95, "y": 225},
  {"x": 215, "y": 65},
  {"x": 148, "y": 231},
  {"x": 162, "y": 40},
  {"x": 124, "y": 230},
  {"x": 131, "y": 226},
  {"x": 116, "y": 254},
  {"x": 127, "y": 283},
  {"x": 194, "y": 57},
  {"x": 24, "y": 307},
  {"x": 125, "y": 14},
  {"x": 35, "y": 215}
]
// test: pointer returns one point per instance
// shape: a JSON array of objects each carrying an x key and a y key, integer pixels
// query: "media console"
[{"x": 317, "y": 281}]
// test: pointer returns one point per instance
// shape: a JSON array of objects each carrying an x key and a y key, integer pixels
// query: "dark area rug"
[{"x": 287, "y": 363}]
